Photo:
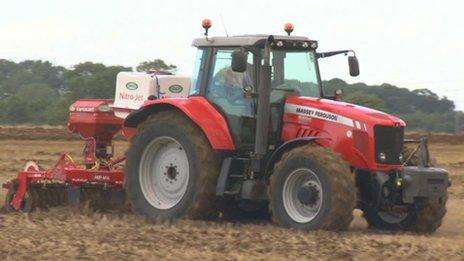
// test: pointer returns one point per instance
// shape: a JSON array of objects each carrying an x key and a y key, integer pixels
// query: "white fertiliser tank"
[{"x": 133, "y": 88}]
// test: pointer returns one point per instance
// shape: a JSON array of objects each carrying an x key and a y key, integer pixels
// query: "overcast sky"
[{"x": 413, "y": 44}]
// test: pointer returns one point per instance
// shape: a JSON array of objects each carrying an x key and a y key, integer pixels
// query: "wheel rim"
[
  {"x": 299, "y": 208},
  {"x": 164, "y": 172}
]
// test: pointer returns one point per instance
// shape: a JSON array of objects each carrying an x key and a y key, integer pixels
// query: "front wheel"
[
  {"x": 421, "y": 219},
  {"x": 312, "y": 188}
]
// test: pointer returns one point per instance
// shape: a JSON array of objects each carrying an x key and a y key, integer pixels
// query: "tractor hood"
[{"x": 345, "y": 113}]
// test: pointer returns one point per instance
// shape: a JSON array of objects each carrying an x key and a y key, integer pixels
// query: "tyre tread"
[
  {"x": 204, "y": 204},
  {"x": 343, "y": 194}
]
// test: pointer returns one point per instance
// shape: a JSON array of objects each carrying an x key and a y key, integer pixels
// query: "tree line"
[
  {"x": 422, "y": 109},
  {"x": 38, "y": 92}
]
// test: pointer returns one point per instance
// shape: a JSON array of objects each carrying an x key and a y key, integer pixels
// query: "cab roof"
[{"x": 244, "y": 40}]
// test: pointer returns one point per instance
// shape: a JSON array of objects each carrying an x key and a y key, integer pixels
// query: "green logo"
[
  {"x": 175, "y": 88},
  {"x": 131, "y": 86}
]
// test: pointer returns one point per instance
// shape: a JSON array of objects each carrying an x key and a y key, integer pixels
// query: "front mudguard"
[{"x": 424, "y": 183}]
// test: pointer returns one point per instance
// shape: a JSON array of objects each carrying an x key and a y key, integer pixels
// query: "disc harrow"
[
  {"x": 98, "y": 183},
  {"x": 49, "y": 195}
]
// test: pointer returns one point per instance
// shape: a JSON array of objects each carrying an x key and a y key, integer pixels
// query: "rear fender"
[
  {"x": 277, "y": 154},
  {"x": 198, "y": 109}
]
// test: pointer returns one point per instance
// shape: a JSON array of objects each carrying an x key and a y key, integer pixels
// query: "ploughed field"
[{"x": 67, "y": 232}]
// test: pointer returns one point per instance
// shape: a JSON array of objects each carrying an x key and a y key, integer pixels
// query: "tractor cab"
[{"x": 228, "y": 71}]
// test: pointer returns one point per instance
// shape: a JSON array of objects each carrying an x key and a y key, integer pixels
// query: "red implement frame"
[
  {"x": 97, "y": 128},
  {"x": 66, "y": 171}
]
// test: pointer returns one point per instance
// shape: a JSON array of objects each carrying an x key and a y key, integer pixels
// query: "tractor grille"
[{"x": 389, "y": 142}]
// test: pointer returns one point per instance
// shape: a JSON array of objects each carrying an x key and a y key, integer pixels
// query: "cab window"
[
  {"x": 226, "y": 91},
  {"x": 197, "y": 71}
]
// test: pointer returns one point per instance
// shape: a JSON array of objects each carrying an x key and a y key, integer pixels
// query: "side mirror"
[
  {"x": 354, "y": 65},
  {"x": 239, "y": 60}
]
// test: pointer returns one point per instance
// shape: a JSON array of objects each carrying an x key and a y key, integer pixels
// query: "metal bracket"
[
  {"x": 422, "y": 149},
  {"x": 424, "y": 157}
]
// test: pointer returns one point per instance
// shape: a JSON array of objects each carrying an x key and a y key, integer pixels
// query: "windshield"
[{"x": 295, "y": 71}]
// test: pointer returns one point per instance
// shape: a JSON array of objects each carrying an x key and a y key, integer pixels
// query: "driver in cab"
[{"x": 230, "y": 85}]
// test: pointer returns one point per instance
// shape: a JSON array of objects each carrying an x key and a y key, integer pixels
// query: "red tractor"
[{"x": 258, "y": 136}]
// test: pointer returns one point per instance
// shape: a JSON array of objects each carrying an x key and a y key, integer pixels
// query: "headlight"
[
  {"x": 104, "y": 108},
  {"x": 382, "y": 156}
]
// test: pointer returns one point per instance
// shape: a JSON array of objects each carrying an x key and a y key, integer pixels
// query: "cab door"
[{"x": 225, "y": 90}]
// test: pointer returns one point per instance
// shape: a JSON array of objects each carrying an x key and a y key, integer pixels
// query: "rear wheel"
[
  {"x": 312, "y": 188},
  {"x": 171, "y": 170},
  {"x": 164, "y": 155}
]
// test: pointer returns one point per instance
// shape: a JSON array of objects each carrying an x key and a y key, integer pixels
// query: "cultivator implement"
[
  {"x": 65, "y": 183},
  {"x": 99, "y": 182}
]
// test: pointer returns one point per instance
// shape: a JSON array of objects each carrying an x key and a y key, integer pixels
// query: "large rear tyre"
[
  {"x": 171, "y": 170},
  {"x": 312, "y": 188}
]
